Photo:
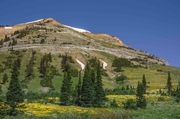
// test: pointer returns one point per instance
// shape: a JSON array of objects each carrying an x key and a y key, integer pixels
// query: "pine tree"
[
  {"x": 169, "y": 84},
  {"x": 100, "y": 94},
  {"x": 5, "y": 78},
  {"x": 78, "y": 91},
  {"x": 178, "y": 93},
  {"x": 140, "y": 99},
  {"x": 87, "y": 97},
  {"x": 65, "y": 97},
  {"x": 14, "y": 94},
  {"x": 29, "y": 67},
  {"x": 144, "y": 83}
]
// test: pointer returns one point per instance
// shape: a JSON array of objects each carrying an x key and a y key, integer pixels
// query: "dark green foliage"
[
  {"x": 29, "y": 67},
  {"x": 14, "y": 42},
  {"x": 14, "y": 94},
  {"x": 78, "y": 91},
  {"x": 49, "y": 75},
  {"x": 140, "y": 99},
  {"x": 100, "y": 94},
  {"x": 42, "y": 41},
  {"x": 6, "y": 39},
  {"x": 3, "y": 110},
  {"x": 47, "y": 71},
  {"x": 5, "y": 78},
  {"x": 177, "y": 93},
  {"x": 129, "y": 90},
  {"x": 92, "y": 88},
  {"x": 65, "y": 96},
  {"x": 144, "y": 83},
  {"x": 1, "y": 42},
  {"x": 121, "y": 79},
  {"x": 65, "y": 58},
  {"x": 169, "y": 84},
  {"x": 113, "y": 103},
  {"x": 87, "y": 92},
  {"x": 130, "y": 104},
  {"x": 74, "y": 72},
  {"x": 118, "y": 63},
  {"x": 23, "y": 33}
]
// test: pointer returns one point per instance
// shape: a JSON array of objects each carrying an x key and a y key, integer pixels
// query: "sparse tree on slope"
[
  {"x": 78, "y": 91},
  {"x": 5, "y": 78},
  {"x": 100, "y": 94},
  {"x": 140, "y": 99},
  {"x": 169, "y": 84},
  {"x": 87, "y": 97},
  {"x": 144, "y": 83},
  {"x": 14, "y": 94},
  {"x": 65, "y": 97}
]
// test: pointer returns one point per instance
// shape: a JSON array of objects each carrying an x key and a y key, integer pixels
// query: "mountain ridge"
[{"x": 56, "y": 34}]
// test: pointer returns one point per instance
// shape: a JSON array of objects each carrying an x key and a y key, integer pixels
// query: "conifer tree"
[
  {"x": 78, "y": 91},
  {"x": 14, "y": 94},
  {"x": 5, "y": 78},
  {"x": 87, "y": 97},
  {"x": 65, "y": 97},
  {"x": 140, "y": 99},
  {"x": 100, "y": 94},
  {"x": 169, "y": 84},
  {"x": 178, "y": 93},
  {"x": 144, "y": 83},
  {"x": 29, "y": 67}
]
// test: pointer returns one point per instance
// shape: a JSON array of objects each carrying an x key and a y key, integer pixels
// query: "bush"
[
  {"x": 42, "y": 41},
  {"x": 118, "y": 63},
  {"x": 74, "y": 72},
  {"x": 130, "y": 104},
  {"x": 161, "y": 98},
  {"x": 121, "y": 79},
  {"x": 113, "y": 103}
]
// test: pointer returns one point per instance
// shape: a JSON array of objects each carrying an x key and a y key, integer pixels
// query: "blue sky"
[{"x": 149, "y": 25}]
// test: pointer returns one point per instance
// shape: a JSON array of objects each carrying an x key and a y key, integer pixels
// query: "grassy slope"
[{"x": 157, "y": 79}]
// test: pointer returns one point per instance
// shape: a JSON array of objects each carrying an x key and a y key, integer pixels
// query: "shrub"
[
  {"x": 130, "y": 104},
  {"x": 121, "y": 79},
  {"x": 113, "y": 103},
  {"x": 74, "y": 72},
  {"x": 161, "y": 98},
  {"x": 42, "y": 41},
  {"x": 118, "y": 63}
]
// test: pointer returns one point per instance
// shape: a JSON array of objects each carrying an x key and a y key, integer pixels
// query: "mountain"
[
  {"x": 54, "y": 33},
  {"x": 50, "y": 36}
]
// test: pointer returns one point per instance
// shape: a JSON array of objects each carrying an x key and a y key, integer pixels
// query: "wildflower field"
[{"x": 40, "y": 109}]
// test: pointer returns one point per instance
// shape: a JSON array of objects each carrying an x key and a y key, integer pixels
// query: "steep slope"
[
  {"x": 49, "y": 36},
  {"x": 54, "y": 35}
]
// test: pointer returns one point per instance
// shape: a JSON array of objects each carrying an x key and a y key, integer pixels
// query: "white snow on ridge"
[
  {"x": 77, "y": 29},
  {"x": 33, "y": 21},
  {"x": 81, "y": 64},
  {"x": 104, "y": 64},
  {"x": 7, "y": 27}
]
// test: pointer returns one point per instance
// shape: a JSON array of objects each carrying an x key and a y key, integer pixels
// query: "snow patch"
[
  {"x": 7, "y": 27},
  {"x": 104, "y": 64},
  {"x": 81, "y": 64},
  {"x": 77, "y": 29},
  {"x": 34, "y": 21}
]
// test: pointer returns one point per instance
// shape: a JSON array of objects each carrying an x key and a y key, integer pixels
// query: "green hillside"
[{"x": 156, "y": 74}]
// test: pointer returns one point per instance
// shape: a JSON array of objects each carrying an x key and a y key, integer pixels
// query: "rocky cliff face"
[{"x": 48, "y": 35}]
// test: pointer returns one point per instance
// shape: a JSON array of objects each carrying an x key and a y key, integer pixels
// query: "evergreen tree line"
[
  {"x": 29, "y": 67},
  {"x": 170, "y": 90},
  {"x": 88, "y": 92},
  {"x": 47, "y": 71},
  {"x": 14, "y": 95}
]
